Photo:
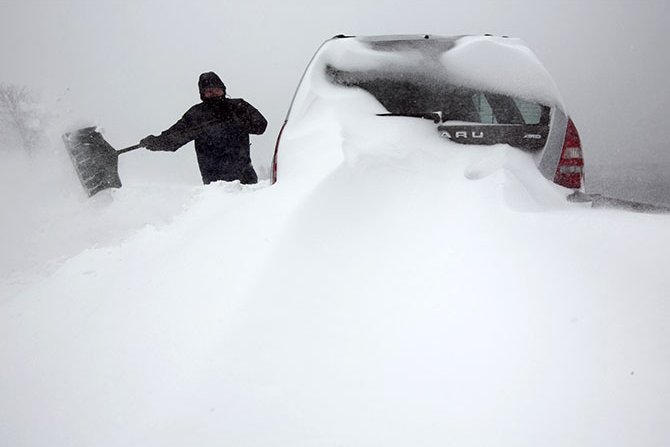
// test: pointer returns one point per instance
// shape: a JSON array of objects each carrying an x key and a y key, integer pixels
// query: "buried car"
[{"x": 479, "y": 90}]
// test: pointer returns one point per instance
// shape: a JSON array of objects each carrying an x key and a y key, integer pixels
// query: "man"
[{"x": 220, "y": 127}]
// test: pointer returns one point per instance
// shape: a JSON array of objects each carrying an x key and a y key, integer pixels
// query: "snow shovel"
[{"x": 95, "y": 160}]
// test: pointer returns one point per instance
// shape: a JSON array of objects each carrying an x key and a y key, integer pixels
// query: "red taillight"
[
  {"x": 274, "y": 158},
  {"x": 570, "y": 168}
]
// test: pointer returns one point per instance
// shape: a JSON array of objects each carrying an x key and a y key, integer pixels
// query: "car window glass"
[
  {"x": 418, "y": 95},
  {"x": 483, "y": 109},
  {"x": 532, "y": 113}
]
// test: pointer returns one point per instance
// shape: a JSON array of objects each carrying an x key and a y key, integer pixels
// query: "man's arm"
[
  {"x": 174, "y": 137},
  {"x": 254, "y": 122}
]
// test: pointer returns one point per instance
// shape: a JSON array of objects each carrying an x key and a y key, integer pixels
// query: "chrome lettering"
[{"x": 478, "y": 134}]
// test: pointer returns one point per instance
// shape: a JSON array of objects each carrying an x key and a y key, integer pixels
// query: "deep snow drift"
[
  {"x": 49, "y": 218},
  {"x": 393, "y": 288}
]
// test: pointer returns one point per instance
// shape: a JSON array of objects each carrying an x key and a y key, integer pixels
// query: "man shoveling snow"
[{"x": 220, "y": 127}]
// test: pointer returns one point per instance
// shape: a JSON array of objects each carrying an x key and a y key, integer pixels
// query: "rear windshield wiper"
[{"x": 435, "y": 117}]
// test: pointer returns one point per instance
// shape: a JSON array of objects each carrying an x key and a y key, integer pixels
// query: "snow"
[
  {"x": 51, "y": 218},
  {"x": 503, "y": 65},
  {"x": 392, "y": 288},
  {"x": 486, "y": 63}
]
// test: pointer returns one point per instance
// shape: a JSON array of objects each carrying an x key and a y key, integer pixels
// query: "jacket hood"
[{"x": 210, "y": 80}]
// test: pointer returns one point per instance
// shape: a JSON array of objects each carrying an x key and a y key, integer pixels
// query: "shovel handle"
[{"x": 128, "y": 149}]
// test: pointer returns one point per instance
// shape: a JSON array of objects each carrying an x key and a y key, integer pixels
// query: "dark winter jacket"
[{"x": 220, "y": 128}]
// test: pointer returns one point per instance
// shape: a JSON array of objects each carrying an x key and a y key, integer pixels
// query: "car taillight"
[
  {"x": 274, "y": 158},
  {"x": 570, "y": 170}
]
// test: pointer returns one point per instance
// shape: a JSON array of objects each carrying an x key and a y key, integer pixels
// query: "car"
[{"x": 477, "y": 90}]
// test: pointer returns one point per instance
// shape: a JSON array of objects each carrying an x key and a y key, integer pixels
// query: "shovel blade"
[{"x": 94, "y": 159}]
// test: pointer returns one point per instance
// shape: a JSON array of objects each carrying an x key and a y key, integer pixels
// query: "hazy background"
[{"x": 132, "y": 66}]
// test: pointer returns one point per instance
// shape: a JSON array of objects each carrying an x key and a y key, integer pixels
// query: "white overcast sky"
[{"x": 132, "y": 65}]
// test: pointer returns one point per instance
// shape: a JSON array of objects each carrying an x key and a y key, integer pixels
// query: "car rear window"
[{"x": 400, "y": 95}]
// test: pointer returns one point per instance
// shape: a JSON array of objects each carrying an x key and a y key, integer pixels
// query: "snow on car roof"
[
  {"x": 489, "y": 63},
  {"x": 502, "y": 65}
]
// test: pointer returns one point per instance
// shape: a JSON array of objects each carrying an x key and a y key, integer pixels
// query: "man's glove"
[{"x": 150, "y": 142}]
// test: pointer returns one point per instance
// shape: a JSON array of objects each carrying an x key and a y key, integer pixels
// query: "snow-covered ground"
[
  {"x": 429, "y": 299},
  {"x": 645, "y": 182},
  {"x": 393, "y": 288}
]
